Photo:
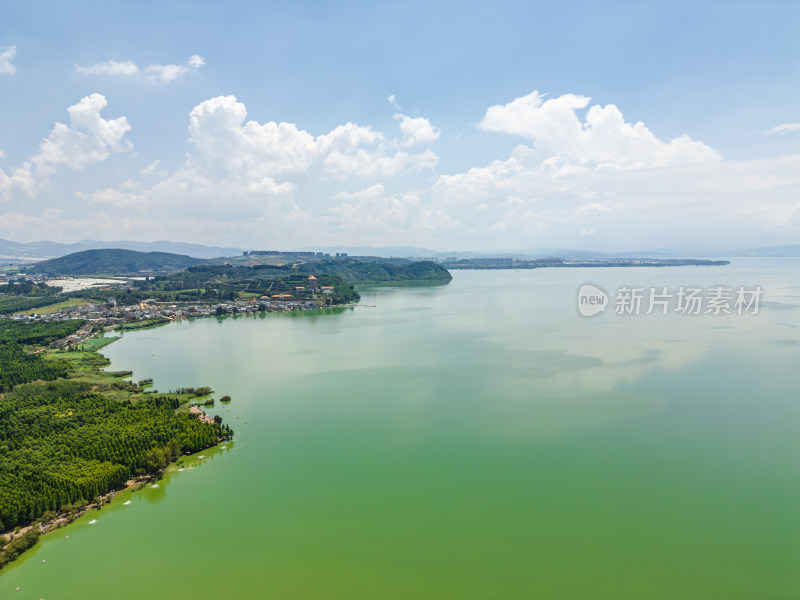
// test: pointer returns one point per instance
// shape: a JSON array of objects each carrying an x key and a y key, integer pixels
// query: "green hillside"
[
  {"x": 355, "y": 272},
  {"x": 114, "y": 262}
]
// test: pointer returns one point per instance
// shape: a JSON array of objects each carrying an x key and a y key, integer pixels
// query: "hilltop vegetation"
[
  {"x": 193, "y": 280},
  {"x": 224, "y": 282},
  {"x": 125, "y": 262},
  {"x": 113, "y": 262},
  {"x": 215, "y": 282},
  {"x": 356, "y": 272}
]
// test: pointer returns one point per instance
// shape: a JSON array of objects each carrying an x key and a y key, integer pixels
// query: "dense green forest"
[
  {"x": 18, "y": 366},
  {"x": 27, "y": 287},
  {"x": 38, "y": 332},
  {"x": 113, "y": 262},
  {"x": 65, "y": 441},
  {"x": 60, "y": 443},
  {"x": 356, "y": 272},
  {"x": 24, "y": 295}
]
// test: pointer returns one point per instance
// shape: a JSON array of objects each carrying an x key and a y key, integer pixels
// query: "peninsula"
[{"x": 117, "y": 287}]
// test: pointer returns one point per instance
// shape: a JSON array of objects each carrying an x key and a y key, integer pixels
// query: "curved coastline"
[{"x": 22, "y": 538}]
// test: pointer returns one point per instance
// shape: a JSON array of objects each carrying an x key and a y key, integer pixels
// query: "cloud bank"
[{"x": 581, "y": 173}]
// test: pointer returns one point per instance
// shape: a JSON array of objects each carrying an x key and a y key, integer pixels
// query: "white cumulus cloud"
[
  {"x": 7, "y": 54},
  {"x": 416, "y": 130},
  {"x": 602, "y": 139},
  {"x": 241, "y": 170},
  {"x": 153, "y": 73},
  {"x": 87, "y": 139}
]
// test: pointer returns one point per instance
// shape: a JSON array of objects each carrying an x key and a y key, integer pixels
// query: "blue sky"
[{"x": 449, "y": 125}]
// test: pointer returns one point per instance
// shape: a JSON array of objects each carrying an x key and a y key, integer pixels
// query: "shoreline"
[
  {"x": 63, "y": 519},
  {"x": 19, "y": 540}
]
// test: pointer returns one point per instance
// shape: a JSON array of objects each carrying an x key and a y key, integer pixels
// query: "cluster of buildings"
[
  {"x": 5, "y": 277},
  {"x": 83, "y": 333},
  {"x": 293, "y": 254},
  {"x": 110, "y": 314}
]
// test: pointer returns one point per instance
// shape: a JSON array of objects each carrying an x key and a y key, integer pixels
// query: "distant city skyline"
[{"x": 445, "y": 125}]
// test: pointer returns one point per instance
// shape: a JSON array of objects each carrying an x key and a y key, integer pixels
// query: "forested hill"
[
  {"x": 114, "y": 262},
  {"x": 355, "y": 272},
  {"x": 127, "y": 262},
  {"x": 348, "y": 271},
  {"x": 222, "y": 282}
]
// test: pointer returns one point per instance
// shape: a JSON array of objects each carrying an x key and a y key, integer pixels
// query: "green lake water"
[{"x": 477, "y": 440}]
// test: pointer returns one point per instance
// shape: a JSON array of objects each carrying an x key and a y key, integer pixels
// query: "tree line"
[
  {"x": 60, "y": 444},
  {"x": 17, "y": 366},
  {"x": 63, "y": 444},
  {"x": 41, "y": 333}
]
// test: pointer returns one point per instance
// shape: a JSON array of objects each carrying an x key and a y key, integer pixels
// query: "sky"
[{"x": 459, "y": 126}]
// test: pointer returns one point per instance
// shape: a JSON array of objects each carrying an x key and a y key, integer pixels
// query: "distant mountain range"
[
  {"x": 41, "y": 250},
  {"x": 790, "y": 250}
]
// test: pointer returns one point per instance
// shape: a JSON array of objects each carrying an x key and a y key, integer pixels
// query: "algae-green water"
[{"x": 477, "y": 440}]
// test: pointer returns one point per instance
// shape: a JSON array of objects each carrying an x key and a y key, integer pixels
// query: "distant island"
[{"x": 543, "y": 263}]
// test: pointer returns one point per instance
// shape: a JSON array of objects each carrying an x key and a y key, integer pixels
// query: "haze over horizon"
[{"x": 485, "y": 126}]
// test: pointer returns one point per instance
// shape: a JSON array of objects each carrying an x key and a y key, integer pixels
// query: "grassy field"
[
  {"x": 87, "y": 365},
  {"x": 144, "y": 324},
  {"x": 97, "y": 342},
  {"x": 51, "y": 308}
]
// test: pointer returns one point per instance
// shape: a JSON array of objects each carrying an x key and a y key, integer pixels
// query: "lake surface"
[{"x": 474, "y": 440}]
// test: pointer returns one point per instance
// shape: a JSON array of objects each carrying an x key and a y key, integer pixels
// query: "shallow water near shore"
[{"x": 474, "y": 440}]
